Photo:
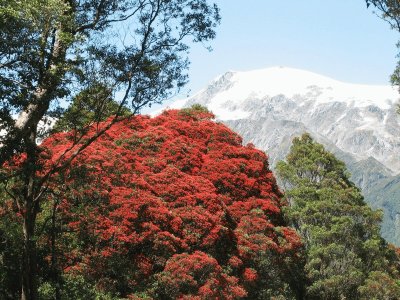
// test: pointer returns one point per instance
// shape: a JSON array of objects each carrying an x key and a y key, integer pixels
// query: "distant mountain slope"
[{"x": 357, "y": 122}]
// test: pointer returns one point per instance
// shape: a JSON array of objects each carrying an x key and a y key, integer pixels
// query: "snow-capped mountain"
[{"x": 357, "y": 122}]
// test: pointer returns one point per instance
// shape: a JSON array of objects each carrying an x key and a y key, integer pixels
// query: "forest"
[
  {"x": 174, "y": 207},
  {"x": 98, "y": 201}
]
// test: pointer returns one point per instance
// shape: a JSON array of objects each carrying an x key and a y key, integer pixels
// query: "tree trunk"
[
  {"x": 29, "y": 213},
  {"x": 29, "y": 266},
  {"x": 55, "y": 270}
]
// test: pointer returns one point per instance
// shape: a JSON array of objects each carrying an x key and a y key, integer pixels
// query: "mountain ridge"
[
  {"x": 357, "y": 122},
  {"x": 229, "y": 98}
]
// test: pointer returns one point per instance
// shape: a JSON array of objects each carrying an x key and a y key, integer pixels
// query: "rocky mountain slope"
[{"x": 357, "y": 122}]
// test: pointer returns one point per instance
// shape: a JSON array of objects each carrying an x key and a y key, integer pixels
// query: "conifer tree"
[{"x": 343, "y": 248}]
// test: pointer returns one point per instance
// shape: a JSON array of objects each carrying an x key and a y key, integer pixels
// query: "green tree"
[
  {"x": 53, "y": 50},
  {"x": 92, "y": 105},
  {"x": 11, "y": 242},
  {"x": 340, "y": 232}
]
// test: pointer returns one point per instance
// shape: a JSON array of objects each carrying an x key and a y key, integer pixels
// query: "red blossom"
[
  {"x": 250, "y": 274},
  {"x": 175, "y": 198}
]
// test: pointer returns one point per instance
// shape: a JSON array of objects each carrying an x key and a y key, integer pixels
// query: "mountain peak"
[
  {"x": 236, "y": 87},
  {"x": 357, "y": 118},
  {"x": 269, "y": 107},
  {"x": 292, "y": 82}
]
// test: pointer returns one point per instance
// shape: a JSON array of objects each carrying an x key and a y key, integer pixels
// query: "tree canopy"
[
  {"x": 52, "y": 50},
  {"x": 171, "y": 207},
  {"x": 343, "y": 248},
  {"x": 133, "y": 52}
]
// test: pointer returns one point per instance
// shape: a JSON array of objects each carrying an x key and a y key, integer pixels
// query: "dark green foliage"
[
  {"x": 340, "y": 232},
  {"x": 74, "y": 287},
  {"x": 92, "y": 105},
  {"x": 10, "y": 250},
  {"x": 380, "y": 285}
]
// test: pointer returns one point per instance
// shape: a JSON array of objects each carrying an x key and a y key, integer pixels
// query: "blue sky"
[{"x": 337, "y": 38}]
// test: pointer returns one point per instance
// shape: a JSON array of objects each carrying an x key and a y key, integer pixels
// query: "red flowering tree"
[{"x": 172, "y": 207}]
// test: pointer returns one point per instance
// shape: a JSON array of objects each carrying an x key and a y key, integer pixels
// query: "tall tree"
[
  {"x": 52, "y": 50},
  {"x": 340, "y": 232}
]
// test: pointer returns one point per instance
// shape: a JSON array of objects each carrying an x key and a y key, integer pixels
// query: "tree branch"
[
  {"x": 97, "y": 19},
  {"x": 59, "y": 165}
]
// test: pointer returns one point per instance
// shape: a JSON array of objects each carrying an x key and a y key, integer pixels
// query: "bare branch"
[
  {"x": 8, "y": 64},
  {"x": 97, "y": 19}
]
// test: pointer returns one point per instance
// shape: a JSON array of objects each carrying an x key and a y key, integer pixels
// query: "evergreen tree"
[{"x": 343, "y": 248}]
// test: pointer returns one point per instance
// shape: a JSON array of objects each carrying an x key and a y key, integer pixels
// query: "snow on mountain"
[
  {"x": 357, "y": 122},
  {"x": 357, "y": 119}
]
